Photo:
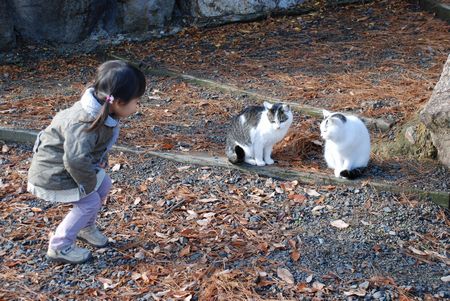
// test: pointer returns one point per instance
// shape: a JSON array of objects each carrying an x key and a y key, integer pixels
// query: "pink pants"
[{"x": 83, "y": 214}]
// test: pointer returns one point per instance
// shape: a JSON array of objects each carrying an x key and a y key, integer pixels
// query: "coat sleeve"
[{"x": 78, "y": 160}]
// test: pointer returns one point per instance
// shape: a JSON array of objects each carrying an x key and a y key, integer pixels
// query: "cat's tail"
[
  {"x": 236, "y": 154},
  {"x": 352, "y": 174}
]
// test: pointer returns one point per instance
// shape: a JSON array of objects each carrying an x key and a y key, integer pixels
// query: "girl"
[{"x": 70, "y": 154}]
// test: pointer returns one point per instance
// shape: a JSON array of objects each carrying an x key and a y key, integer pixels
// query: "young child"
[{"x": 71, "y": 153}]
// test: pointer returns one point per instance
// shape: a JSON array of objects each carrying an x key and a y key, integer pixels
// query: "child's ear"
[
  {"x": 267, "y": 105},
  {"x": 326, "y": 113}
]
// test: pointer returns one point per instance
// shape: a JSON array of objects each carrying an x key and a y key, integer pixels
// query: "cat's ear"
[
  {"x": 286, "y": 108},
  {"x": 326, "y": 113},
  {"x": 268, "y": 105}
]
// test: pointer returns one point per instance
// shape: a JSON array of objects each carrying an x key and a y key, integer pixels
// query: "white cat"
[
  {"x": 347, "y": 143},
  {"x": 254, "y": 132}
]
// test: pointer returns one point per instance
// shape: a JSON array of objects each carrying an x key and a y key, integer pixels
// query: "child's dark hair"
[{"x": 119, "y": 79}]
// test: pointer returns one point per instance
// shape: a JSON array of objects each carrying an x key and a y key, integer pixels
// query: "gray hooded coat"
[{"x": 66, "y": 156}]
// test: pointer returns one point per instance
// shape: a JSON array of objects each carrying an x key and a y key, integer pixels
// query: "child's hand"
[{"x": 103, "y": 164}]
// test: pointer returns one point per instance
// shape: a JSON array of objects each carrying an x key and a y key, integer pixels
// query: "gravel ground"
[
  {"x": 250, "y": 227},
  {"x": 183, "y": 232}
]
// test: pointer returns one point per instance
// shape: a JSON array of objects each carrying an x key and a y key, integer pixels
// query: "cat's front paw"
[
  {"x": 337, "y": 173},
  {"x": 250, "y": 161},
  {"x": 269, "y": 161},
  {"x": 260, "y": 163}
]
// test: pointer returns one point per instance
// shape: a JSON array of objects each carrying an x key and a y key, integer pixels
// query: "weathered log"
[
  {"x": 441, "y": 198},
  {"x": 373, "y": 123}
]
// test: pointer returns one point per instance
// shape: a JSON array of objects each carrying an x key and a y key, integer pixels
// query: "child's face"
[{"x": 122, "y": 110}]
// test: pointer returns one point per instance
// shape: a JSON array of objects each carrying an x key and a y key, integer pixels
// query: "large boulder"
[
  {"x": 214, "y": 8},
  {"x": 142, "y": 15},
  {"x": 65, "y": 21},
  {"x": 436, "y": 115},
  {"x": 7, "y": 36}
]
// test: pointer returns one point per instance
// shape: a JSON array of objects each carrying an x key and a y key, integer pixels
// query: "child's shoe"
[
  {"x": 72, "y": 254},
  {"x": 93, "y": 236}
]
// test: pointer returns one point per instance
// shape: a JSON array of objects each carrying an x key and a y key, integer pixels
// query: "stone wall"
[
  {"x": 7, "y": 35},
  {"x": 71, "y": 21},
  {"x": 63, "y": 21},
  {"x": 214, "y": 8}
]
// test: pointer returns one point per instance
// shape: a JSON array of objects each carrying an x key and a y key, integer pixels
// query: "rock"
[
  {"x": 412, "y": 140},
  {"x": 364, "y": 285},
  {"x": 377, "y": 295},
  {"x": 7, "y": 36},
  {"x": 410, "y": 134},
  {"x": 213, "y": 8},
  {"x": 141, "y": 15},
  {"x": 89, "y": 21},
  {"x": 57, "y": 21},
  {"x": 387, "y": 209},
  {"x": 255, "y": 219},
  {"x": 436, "y": 115}
]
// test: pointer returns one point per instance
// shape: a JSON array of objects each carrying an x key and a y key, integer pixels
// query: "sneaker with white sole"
[
  {"x": 93, "y": 236},
  {"x": 71, "y": 254}
]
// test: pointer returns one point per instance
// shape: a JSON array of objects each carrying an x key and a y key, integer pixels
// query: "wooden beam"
[
  {"x": 441, "y": 198},
  {"x": 373, "y": 123}
]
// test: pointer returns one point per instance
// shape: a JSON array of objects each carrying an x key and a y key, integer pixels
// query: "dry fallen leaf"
[
  {"x": 446, "y": 278},
  {"x": 318, "y": 286},
  {"x": 317, "y": 208},
  {"x": 312, "y": 192},
  {"x": 107, "y": 283},
  {"x": 160, "y": 235},
  {"x": 185, "y": 251},
  {"x": 416, "y": 251},
  {"x": 329, "y": 187},
  {"x": 285, "y": 275},
  {"x": 203, "y": 222},
  {"x": 209, "y": 214},
  {"x": 135, "y": 276},
  {"x": 192, "y": 215},
  {"x": 137, "y": 201},
  {"x": 139, "y": 255},
  {"x": 356, "y": 292},
  {"x": 295, "y": 255},
  {"x": 297, "y": 197},
  {"x": 303, "y": 288},
  {"x": 181, "y": 168},
  {"x": 339, "y": 224},
  {"x": 209, "y": 200}
]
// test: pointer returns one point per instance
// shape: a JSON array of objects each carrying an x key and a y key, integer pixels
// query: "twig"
[{"x": 174, "y": 206}]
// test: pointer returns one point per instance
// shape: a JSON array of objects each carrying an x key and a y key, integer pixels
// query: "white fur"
[
  {"x": 242, "y": 119},
  {"x": 265, "y": 136},
  {"x": 347, "y": 145}
]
